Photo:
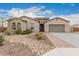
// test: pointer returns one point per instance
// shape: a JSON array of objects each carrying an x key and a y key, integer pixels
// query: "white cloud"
[
  {"x": 2, "y": 10},
  {"x": 72, "y": 4},
  {"x": 73, "y": 18},
  {"x": 15, "y": 12},
  {"x": 38, "y": 11},
  {"x": 31, "y": 12},
  {"x": 49, "y": 12}
]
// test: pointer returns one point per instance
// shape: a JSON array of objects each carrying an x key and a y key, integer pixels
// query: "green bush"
[
  {"x": 7, "y": 33},
  {"x": 18, "y": 31},
  {"x": 1, "y": 40},
  {"x": 27, "y": 31}
]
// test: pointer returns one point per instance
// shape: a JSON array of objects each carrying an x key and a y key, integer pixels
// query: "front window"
[
  {"x": 18, "y": 25},
  {"x": 13, "y": 26},
  {"x": 32, "y": 25}
]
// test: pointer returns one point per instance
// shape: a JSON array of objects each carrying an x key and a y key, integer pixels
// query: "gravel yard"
[
  {"x": 24, "y": 45},
  {"x": 14, "y": 49}
]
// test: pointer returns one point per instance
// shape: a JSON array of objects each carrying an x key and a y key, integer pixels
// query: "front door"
[{"x": 41, "y": 27}]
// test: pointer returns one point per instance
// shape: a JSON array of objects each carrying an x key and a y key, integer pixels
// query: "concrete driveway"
[
  {"x": 64, "y": 44},
  {"x": 72, "y": 38},
  {"x": 58, "y": 41}
]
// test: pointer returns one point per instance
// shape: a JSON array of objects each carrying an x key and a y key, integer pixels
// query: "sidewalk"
[{"x": 63, "y": 52}]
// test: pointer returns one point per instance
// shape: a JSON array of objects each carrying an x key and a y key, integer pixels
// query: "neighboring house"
[
  {"x": 4, "y": 24},
  {"x": 75, "y": 28},
  {"x": 39, "y": 24}
]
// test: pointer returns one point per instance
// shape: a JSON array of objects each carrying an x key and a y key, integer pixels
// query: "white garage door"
[{"x": 57, "y": 28}]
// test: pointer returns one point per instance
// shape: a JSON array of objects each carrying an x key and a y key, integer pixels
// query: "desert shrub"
[
  {"x": 1, "y": 40},
  {"x": 18, "y": 31},
  {"x": 7, "y": 32},
  {"x": 27, "y": 31},
  {"x": 39, "y": 36}
]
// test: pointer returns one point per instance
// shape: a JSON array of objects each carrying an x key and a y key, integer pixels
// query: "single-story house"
[{"x": 39, "y": 24}]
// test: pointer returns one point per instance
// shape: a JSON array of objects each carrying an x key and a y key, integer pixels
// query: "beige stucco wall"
[
  {"x": 24, "y": 25},
  {"x": 57, "y": 21},
  {"x": 30, "y": 21}
]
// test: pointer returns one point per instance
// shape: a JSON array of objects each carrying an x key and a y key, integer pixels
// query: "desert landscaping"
[{"x": 24, "y": 45}]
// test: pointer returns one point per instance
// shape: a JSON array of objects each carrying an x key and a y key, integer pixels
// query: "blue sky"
[
  {"x": 66, "y": 10},
  {"x": 56, "y": 8}
]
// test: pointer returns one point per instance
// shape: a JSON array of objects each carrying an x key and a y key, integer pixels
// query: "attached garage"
[
  {"x": 56, "y": 28},
  {"x": 57, "y": 25}
]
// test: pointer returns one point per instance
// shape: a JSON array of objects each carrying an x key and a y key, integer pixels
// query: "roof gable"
[
  {"x": 16, "y": 18},
  {"x": 60, "y": 19},
  {"x": 21, "y": 18},
  {"x": 28, "y": 18},
  {"x": 25, "y": 17}
]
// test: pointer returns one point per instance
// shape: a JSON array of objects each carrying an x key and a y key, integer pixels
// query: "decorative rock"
[
  {"x": 12, "y": 45},
  {"x": 37, "y": 47}
]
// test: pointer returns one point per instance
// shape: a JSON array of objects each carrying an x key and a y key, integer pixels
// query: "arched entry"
[{"x": 41, "y": 27}]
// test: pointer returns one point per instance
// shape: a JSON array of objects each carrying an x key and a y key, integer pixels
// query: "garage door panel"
[{"x": 56, "y": 27}]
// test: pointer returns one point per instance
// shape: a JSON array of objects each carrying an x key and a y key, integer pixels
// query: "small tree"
[{"x": 1, "y": 40}]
